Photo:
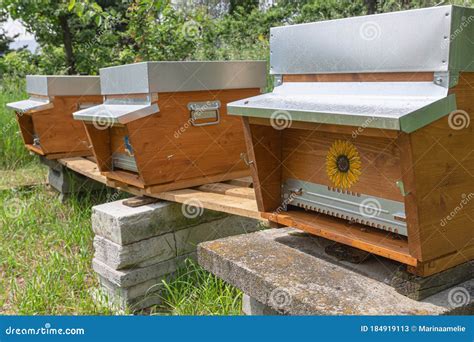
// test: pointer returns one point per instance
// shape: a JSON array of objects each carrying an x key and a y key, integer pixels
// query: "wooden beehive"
[
  {"x": 45, "y": 119},
  {"x": 164, "y": 125},
  {"x": 366, "y": 139}
]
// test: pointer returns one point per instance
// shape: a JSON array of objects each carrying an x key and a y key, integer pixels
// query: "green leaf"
[
  {"x": 72, "y": 3},
  {"x": 97, "y": 7},
  {"x": 98, "y": 20}
]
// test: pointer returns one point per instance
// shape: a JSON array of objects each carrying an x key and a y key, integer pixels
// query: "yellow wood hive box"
[
  {"x": 367, "y": 138},
  {"x": 164, "y": 125},
  {"x": 45, "y": 119}
]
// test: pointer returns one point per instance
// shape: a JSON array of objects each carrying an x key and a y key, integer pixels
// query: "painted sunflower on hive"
[{"x": 343, "y": 165}]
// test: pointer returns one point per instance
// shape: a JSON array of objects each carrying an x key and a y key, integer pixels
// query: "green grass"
[
  {"x": 45, "y": 262},
  {"x": 196, "y": 292},
  {"x": 46, "y": 245},
  {"x": 45, "y": 253},
  {"x": 13, "y": 155}
]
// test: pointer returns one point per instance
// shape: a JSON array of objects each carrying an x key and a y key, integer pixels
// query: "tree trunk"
[
  {"x": 371, "y": 6},
  {"x": 67, "y": 41}
]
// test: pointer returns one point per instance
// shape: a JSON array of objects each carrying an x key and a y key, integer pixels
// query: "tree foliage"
[
  {"x": 4, "y": 39},
  {"x": 81, "y": 36}
]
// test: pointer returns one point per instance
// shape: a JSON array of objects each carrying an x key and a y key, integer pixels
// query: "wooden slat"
[
  {"x": 245, "y": 182},
  {"x": 355, "y": 235},
  {"x": 189, "y": 183},
  {"x": 35, "y": 149},
  {"x": 84, "y": 167},
  {"x": 224, "y": 203},
  {"x": 236, "y": 201},
  {"x": 227, "y": 189},
  {"x": 72, "y": 154},
  {"x": 362, "y": 77},
  {"x": 122, "y": 176}
]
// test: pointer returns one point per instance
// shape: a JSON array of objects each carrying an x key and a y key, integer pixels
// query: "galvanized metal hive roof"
[
  {"x": 50, "y": 86},
  {"x": 110, "y": 114},
  {"x": 404, "y": 106},
  {"x": 62, "y": 85},
  {"x": 158, "y": 77},
  {"x": 430, "y": 39},
  {"x": 438, "y": 40},
  {"x": 32, "y": 104}
]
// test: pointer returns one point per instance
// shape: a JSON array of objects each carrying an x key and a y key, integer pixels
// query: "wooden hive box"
[
  {"x": 45, "y": 119},
  {"x": 164, "y": 125},
  {"x": 367, "y": 138}
]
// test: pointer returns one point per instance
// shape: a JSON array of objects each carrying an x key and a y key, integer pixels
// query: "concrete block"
[
  {"x": 66, "y": 181},
  {"x": 136, "y": 275},
  {"x": 290, "y": 273},
  {"x": 135, "y": 298},
  {"x": 138, "y": 254},
  {"x": 419, "y": 288},
  {"x": 125, "y": 225},
  {"x": 188, "y": 239},
  {"x": 138, "y": 291}
]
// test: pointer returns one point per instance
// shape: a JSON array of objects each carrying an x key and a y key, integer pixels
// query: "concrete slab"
[{"x": 289, "y": 272}]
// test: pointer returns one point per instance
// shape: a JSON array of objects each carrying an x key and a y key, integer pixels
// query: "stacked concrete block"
[
  {"x": 137, "y": 248},
  {"x": 66, "y": 182}
]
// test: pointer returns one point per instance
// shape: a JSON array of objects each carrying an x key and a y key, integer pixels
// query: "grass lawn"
[{"x": 46, "y": 245}]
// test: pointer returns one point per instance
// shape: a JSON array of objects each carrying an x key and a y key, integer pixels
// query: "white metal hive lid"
[
  {"x": 109, "y": 114},
  {"x": 405, "y": 106},
  {"x": 32, "y": 104},
  {"x": 62, "y": 85},
  {"x": 156, "y": 77},
  {"x": 437, "y": 39}
]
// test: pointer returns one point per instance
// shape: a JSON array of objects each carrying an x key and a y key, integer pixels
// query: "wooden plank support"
[{"x": 224, "y": 197}]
